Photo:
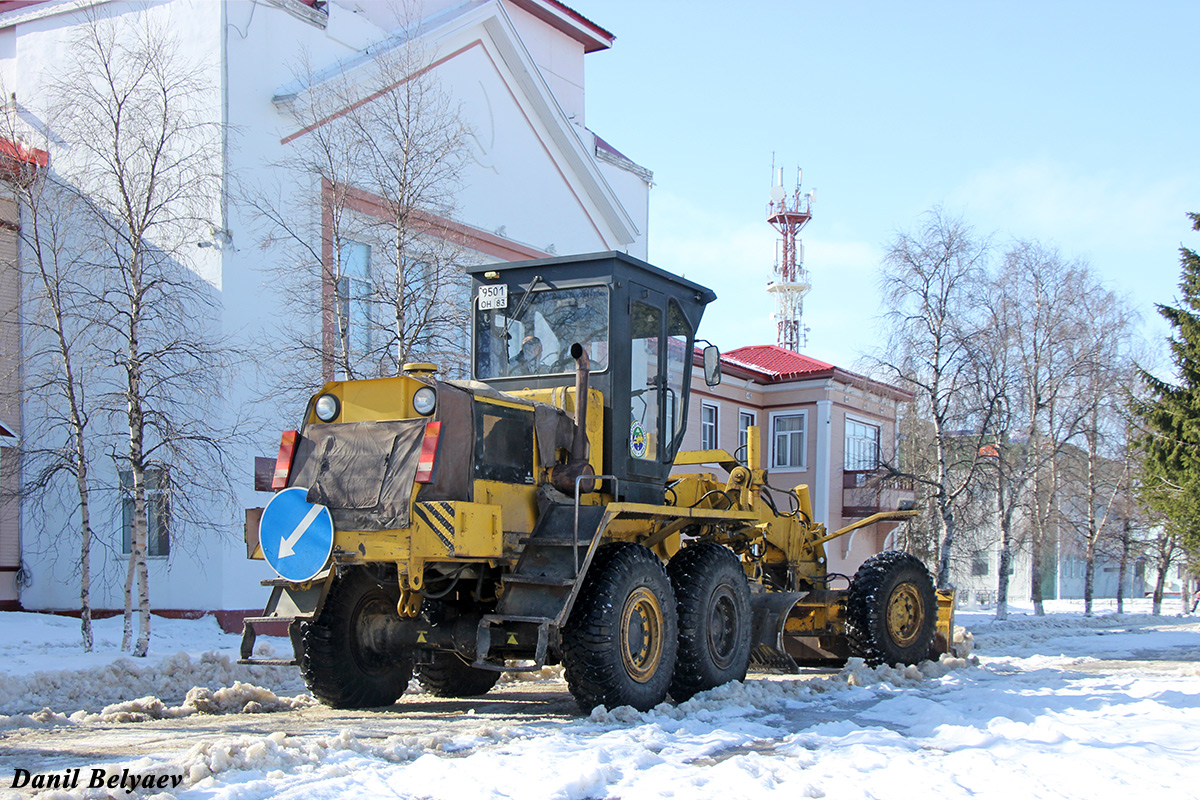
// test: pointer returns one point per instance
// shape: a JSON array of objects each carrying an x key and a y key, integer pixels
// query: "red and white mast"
[{"x": 788, "y": 214}]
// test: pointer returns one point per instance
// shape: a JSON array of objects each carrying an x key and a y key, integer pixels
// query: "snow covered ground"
[{"x": 1060, "y": 706}]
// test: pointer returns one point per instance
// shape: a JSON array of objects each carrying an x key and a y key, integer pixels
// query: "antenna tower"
[{"x": 788, "y": 215}]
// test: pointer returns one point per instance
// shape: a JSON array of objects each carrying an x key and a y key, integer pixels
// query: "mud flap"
[
  {"x": 943, "y": 634},
  {"x": 289, "y": 603},
  {"x": 769, "y": 612}
]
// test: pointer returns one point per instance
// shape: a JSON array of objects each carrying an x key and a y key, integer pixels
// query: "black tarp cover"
[{"x": 362, "y": 471}]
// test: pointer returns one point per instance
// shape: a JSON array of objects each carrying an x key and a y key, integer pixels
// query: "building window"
[
  {"x": 354, "y": 295},
  {"x": 788, "y": 435},
  {"x": 745, "y": 420},
  {"x": 158, "y": 539},
  {"x": 862, "y": 446},
  {"x": 979, "y": 564},
  {"x": 708, "y": 427}
]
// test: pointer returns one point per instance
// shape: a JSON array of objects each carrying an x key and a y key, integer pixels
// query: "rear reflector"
[
  {"x": 428, "y": 451},
  {"x": 283, "y": 463}
]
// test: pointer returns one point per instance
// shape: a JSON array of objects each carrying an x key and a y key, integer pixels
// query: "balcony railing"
[{"x": 867, "y": 492}]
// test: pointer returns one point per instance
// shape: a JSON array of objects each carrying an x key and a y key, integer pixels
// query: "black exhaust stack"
[{"x": 563, "y": 476}]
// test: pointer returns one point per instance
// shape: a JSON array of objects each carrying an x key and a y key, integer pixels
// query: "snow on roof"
[{"x": 773, "y": 361}]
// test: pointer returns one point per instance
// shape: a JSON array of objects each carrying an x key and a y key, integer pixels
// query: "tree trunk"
[
  {"x": 139, "y": 538},
  {"x": 1123, "y": 570},
  {"x": 1089, "y": 581},
  {"x": 1002, "y": 578},
  {"x": 1005, "y": 566},
  {"x": 127, "y": 627},
  {"x": 1160, "y": 580},
  {"x": 137, "y": 457},
  {"x": 947, "y": 520},
  {"x": 85, "y": 555},
  {"x": 1035, "y": 577},
  {"x": 1093, "y": 529}
]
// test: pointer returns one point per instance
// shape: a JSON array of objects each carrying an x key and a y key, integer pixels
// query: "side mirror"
[{"x": 712, "y": 365}]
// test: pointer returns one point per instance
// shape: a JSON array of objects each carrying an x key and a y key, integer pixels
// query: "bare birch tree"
[
  {"x": 1106, "y": 378},
  {"x": 928, "y": 281},
  {"x": 58, "y": 331},
  {"x": 141, "y": 156},
  {"x": 314, "y": 251},
  {"x": 1054, "y": 341},
  {"x": 1008, "y": 462},
  {"x": 382, "y": 145},
  {"x": 415, "y": 147}
]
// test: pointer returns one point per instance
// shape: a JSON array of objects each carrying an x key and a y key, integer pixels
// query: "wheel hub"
[
  {"x": 641, "y": 634},
  {"x": 905, "y": 614},
  {"x": 722, "y": 628},
  {"x": 370, "y": 612}
]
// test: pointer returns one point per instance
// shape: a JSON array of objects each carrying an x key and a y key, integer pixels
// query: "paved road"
[{"x": 511, "y": 705}]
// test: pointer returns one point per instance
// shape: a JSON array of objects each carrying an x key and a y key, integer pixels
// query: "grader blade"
[{"x": 769, "y": 612}]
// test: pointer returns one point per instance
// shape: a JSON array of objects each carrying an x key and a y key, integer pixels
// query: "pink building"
[{"x": 818, "y": 425}]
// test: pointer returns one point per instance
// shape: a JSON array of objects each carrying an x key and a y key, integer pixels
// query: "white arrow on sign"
[{"x": 286, "y": 543}]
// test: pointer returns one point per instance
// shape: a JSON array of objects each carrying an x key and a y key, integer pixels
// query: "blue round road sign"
[{"x": 296, "y": 535}]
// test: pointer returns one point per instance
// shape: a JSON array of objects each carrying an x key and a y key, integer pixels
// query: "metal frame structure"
[{"x": 788, "y": 216}]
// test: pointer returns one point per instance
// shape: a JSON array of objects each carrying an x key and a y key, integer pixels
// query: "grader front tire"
[
  {"x": 713, "y": 602},
  {"x": 619, "y": 644},
  {"x": 891, "y": 610},
  {"x": 338, "y": 664}
]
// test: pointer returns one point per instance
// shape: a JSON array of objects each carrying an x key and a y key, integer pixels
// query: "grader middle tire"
[
  {"x": 620, "y": 641},
  {"x": 339, "y": 666},
  {"x": 891, "y": 610},
  {"x": 713, "y": 601},
  {"x": 449, "y": 676}
]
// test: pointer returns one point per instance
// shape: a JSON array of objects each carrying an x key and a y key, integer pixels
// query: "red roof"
[{"x": 774, "y": 361}]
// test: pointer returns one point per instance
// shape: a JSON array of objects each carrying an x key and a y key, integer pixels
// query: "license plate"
[{"x": 493, "y": 296}]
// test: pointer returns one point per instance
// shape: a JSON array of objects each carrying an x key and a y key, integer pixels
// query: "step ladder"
[{"x": 540, "y": 590}]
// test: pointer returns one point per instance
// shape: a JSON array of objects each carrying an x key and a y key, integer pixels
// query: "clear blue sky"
[{"x": 1075, "y": 123}]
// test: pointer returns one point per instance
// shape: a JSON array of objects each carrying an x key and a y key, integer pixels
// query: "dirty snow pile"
[{"x": 191, "y": 668}]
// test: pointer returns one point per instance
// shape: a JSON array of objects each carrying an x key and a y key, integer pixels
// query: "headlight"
[
  {"x": 327, "y": 408},
  {"x": 425, "y": 401}
]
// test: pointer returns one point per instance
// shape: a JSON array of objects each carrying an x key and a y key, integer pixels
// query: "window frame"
[
  {"x": 773, "y": 420},
  {"x": 867, "y": 423},
  {"x": 715, "y": 426},
  {"x": 354, "y": 291},
  {"x": 158, "y": 511},
  {"x": 744, "y": 433}
]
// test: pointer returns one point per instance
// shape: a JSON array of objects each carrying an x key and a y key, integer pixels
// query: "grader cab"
[{"x": 528, "y": 516}]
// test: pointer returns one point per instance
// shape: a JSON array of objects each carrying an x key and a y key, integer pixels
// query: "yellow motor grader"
[{"x": 529, "y": 516}]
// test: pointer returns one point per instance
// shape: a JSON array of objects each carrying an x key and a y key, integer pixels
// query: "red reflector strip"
[
  {"x": 283, "y": 462},
  {"x": 428, "y": 451}
]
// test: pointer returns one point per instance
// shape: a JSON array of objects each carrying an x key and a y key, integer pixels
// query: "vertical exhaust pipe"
[{"x": 563, "y": 476}]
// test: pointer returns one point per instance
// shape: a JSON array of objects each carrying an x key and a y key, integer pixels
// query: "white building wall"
[
  {"x": 531, "y": 179},
  {"x": 558, "y": 57}
]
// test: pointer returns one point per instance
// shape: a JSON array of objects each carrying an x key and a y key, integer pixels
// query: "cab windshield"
[{"x": 533, "y": 333}]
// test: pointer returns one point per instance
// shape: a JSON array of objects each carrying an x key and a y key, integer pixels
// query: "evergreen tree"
[{"x": 1171, "y": 415}]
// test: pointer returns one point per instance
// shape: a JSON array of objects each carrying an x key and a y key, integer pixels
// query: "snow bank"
[
  {"x": 171, "y": 679},
  {"x": 765, "y": 696},
  {"x": 240, "y": 698}
]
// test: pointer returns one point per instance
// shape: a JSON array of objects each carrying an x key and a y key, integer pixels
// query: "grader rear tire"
[
  {"x": 891, "y": 610},
  {"x": 450, "y": 676},
  {"x": 620, "y": 641},
  {"x": 338, "y": 664},
  {"x": 713, "y": 601}
]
